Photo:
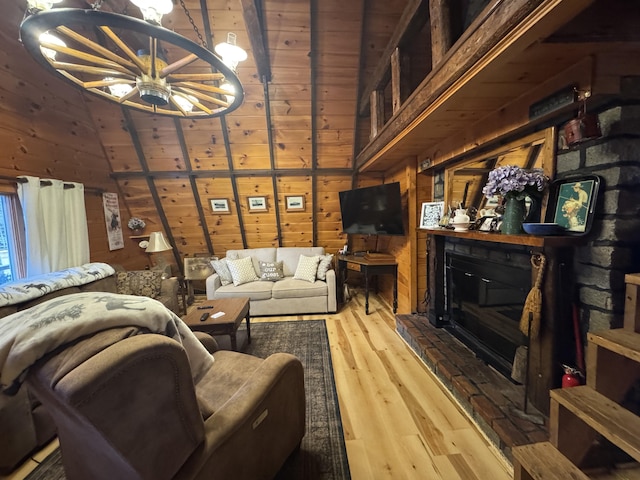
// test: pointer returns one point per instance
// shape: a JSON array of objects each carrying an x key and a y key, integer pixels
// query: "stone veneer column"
[{"x": 613, "y": 247}]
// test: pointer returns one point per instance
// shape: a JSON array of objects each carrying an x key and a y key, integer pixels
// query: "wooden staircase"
[{"x": 581, "y": 415}]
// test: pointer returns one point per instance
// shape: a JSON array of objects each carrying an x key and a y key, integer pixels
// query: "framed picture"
[
  {"x": 294, "y": 203},
  {"x": 431, "y": 214},
  {"x": 572, "y": 202},
  {"x": 257, "y": 204},
  {"x": 219, "y": 205}
]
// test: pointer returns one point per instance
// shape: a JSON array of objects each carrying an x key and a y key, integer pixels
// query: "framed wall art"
[
  {"x": 219, "y": 205},
  {"x": 572, "y": 202},
  {"x": 431, "y": 214},
  {"x": 294, "y": 203},
  {"x": 257, "y": 204}
]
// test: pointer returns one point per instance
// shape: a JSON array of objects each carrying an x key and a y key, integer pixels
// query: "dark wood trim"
[
  {"x": 237, "y": 173},
  {"x": 194, "y": 186},
  {"x": 272, "y": 160},
  {"x": 313, "y": 35},
  {"x": 357, "y": 118},
  {"x": 413, "y": 17},
  {"x": 253, "y": 19}
]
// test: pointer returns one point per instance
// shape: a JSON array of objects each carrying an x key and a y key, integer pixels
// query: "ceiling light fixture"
[
  {"x": 133, "y": 62},
  {"x": 231, "y": 53}
]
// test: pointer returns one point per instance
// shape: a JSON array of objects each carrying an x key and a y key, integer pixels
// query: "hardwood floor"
[{"x": 398, "y": 421}]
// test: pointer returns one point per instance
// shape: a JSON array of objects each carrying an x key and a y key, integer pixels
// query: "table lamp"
[{"x": 157, "y": 244}]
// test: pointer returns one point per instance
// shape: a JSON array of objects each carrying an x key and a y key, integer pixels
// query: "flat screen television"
[{"x": 373, "y": 210}]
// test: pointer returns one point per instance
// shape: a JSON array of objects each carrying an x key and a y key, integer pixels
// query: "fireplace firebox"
[{"x": 484, "y": 302}]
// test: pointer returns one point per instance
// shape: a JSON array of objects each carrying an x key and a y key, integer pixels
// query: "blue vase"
[{"x": 514, "y": 213}]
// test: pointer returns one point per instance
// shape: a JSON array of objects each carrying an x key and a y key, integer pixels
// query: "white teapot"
[{"x": 460, "y": 220}]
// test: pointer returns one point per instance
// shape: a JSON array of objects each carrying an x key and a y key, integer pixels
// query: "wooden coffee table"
[{"x": 235, "y": 309}]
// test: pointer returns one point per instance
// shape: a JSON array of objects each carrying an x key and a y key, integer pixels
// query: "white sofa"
[{"x": 286, "y": 296}]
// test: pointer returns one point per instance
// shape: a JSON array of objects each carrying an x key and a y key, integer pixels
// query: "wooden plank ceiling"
[{"x": 293, "y": 135}]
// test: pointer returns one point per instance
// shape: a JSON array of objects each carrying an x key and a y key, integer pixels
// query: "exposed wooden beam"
[
  {"x": 504, "y": 29},
  {"x": 411, "y": 20},
  {"x": 441, "y": 33},
  {"x": 252, "y": 13},
  {"x": 399, "y": 79},
  {"x": 377, "y": 113},
  {"x": 298, "y": 172}
]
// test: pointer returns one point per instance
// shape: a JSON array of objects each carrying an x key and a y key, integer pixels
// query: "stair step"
[
  {"x": 543, "y": 461},
  {"x": 617, "y": 424},
  {"x": 621, "y": 341},
  {"x": 632, "y": 278}
]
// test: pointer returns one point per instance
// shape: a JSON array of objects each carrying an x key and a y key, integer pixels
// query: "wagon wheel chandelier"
[{"x": 135, "y": 63}]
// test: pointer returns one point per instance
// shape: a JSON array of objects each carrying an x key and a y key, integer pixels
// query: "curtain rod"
[{"x": 47, "y": 183}]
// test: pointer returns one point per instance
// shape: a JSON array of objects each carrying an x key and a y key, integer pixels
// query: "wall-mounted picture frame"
[
  {"x": 572, "y": 202},
  {"x": 294, "y": 203},
  {"x": 431, "y": 214},
  {"x": 257, "y": 204},
  {"x": 219, "y": 205}
]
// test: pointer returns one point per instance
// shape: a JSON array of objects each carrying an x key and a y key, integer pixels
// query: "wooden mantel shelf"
[{"x": 529, "y": 240}]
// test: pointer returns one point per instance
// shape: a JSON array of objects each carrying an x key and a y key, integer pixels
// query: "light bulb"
[
  {"x": 186, "y": 102},
  {"x": 231, "y": 91},
  {"x": 118, "y": 89},
  {"x": 153, "y": 10},
  {"x": 39, "y": 5},
  {"x": 47, "y": 37},
  {"x": 231, "y": 54}
]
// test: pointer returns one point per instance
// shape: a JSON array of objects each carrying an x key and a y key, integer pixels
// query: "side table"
[{"x": 234, "y": 309}]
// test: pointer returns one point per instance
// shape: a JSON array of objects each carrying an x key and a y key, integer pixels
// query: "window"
[{"x": 12, "y": 250}]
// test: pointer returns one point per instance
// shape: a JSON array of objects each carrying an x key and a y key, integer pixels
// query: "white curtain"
[{"x": 55, "y": 225}]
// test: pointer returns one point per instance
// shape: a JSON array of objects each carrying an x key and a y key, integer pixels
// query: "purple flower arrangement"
[{"x": 516, "y": 181}]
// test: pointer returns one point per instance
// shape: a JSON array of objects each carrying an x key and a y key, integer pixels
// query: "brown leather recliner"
[{"x": 126, "y": 407}]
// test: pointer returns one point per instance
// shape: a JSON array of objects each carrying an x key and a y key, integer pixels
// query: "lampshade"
[{"x": 157, "y": 243}]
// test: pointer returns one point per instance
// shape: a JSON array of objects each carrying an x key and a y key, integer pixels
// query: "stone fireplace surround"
[{"x": 598, "y": 266}]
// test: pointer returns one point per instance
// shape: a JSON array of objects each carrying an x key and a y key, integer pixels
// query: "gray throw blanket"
[{"x": 28, "y": 335}]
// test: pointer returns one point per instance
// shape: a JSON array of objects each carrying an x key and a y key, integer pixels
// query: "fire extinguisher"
[{"x": 572, "y": 377}]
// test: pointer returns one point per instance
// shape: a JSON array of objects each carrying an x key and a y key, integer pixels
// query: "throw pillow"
[
  {"x": 221, "y": 268},
  {"x": 307, "y": 268},
  {"x": 145, "y": 283},
  {"x": 324, "y": 266},
  {"x": 242, "y": 271},
  {"x": 271, "y": 271}
]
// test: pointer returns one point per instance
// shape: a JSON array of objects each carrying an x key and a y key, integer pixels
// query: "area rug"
[{"x": 322, "y": 455}]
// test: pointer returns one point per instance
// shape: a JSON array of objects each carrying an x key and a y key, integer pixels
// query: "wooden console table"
[{"x": 368, "y": 267}]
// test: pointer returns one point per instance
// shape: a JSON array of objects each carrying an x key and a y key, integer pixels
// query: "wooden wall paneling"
[
  {"x": 297, "y": 228},
  {"x": 327, "y": 206},
  {"x": 131, "y": 127},
  {"x": 260, "y": 227},
  {"x": 202, "y": 221},
  {"x": 272, "y": 162},
  {"x": 224, "y": 229},
  {"x": 205, "y": 143}
]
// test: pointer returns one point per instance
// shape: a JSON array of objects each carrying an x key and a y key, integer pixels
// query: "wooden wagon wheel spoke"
[
  {"x": 177, "y": 65},
  {"x": 204, "y": 97},
  {"x": 195, "y": 77},
  {"x": 110, "y": 96},
  {"x": 86, "y": 57},
  {"x": 108, "y": 83},
  {"x": 103, "y": 72},
  {"x": 124, "y": 47},
  {"x": 95, "y": 47},
  {"x": 202, "y": 86}
]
